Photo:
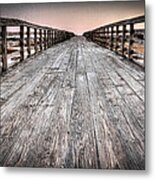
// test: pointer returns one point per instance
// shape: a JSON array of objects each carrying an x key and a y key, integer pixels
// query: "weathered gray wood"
[
  {"x": 123, "y": 40},
  {"x": 40, "y": 39},
  {"x": 117, "y": 33},
  {"x": 122, "y": 37},
  {"x": 31, "y": 40},
  {"x": 21, "y": 42},
  {"x": 45, "y": 38},
  {"x": 139, "y": 19},
  {"x": 131, "y": 32},
  {"x": 35, "y": 41},
  {"x": 111, "y": 38},
  {"x": 4, "y": 48},
  {"x": 127, "y": 109},
  {"x": 77, "y": 106},
  {"x": 28, "y": 42}
]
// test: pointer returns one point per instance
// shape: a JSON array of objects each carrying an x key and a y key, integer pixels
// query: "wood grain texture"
[{"x": 75, "y": 105}]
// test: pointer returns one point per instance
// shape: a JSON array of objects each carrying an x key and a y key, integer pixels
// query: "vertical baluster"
[
  {"x": 103, "y": 36},
  {"x": 54, "y": 37},
  {"x": 21, "y": 43},
  {"x": 64, "y": 36},
  {"x": 93, "y": 36},
  {"x": 28, "y": 42},
  {"x": 107, "y": 43},
  {"x": 123, "y": 40},
  {"x": 58, "y": 37},
  {"x": 40, "y": 39},
  {"x": 131, "y": 32},
  {"x": 117, "y": 38},
  {"x": 44, "y": 39},
  {"x": 51, "y": 37},
  {"x": 4, "y": 48},
  {"x": 111, "y": 44},
  {"x": 48, "y": 38},
  {"x": 35, "y": 40}
]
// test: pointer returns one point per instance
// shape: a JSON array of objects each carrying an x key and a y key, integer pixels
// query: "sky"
[{"x": 75, "y": 17}]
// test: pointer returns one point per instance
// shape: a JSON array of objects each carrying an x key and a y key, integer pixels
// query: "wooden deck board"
[{"x": 76, "y": 105}]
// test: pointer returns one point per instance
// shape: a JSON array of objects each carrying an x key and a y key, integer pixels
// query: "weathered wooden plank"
[
  {"x": 74, "y": 107},
  {"x": 105, "y": 131},
  {"x": 136, "y": 86},
  {"x": 29, "y": 112},
  {"x": 115, "y": 101},
  {"x": 15, "y": 80},
  {"x": 69, "y": 81},
  {"x": 82, "y": 148},
  {"x": 136, "y": 72}
]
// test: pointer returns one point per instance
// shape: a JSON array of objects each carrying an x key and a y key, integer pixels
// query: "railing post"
[
  {"x": 123, "y": 39},
  {"x": 92, "y": 35},
  {"x": 55, "y": 37},
  {"x": 103, "y": 32},
  {"x": 44, "y": 39},
  {"x": 58, "y": 36},
  {"x": 28, "y": 42},
  {"x": 117, "y": 38},
  {"x": 21, "y": 43},
  {"x": 4, "y": 48},
  {"x": 131, "y": 32},
  {"x": 49, "y": 38},
  {"x": 107, "y": 43},
  {"x": 40, "y": 39},
  {"x": 35, "y": 40},
  {"x": 50, "y": 31},
  {"x": 112, "y": 31}
]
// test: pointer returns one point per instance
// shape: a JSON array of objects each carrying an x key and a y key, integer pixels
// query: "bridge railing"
[
  {"x": 126, "y": 38},
  {"x": 20, "y": 40}
]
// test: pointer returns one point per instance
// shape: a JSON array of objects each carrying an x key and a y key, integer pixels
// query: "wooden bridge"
[{"x": 72, "y": 102}]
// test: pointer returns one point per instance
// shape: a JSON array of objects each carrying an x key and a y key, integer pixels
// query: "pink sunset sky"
[{"x": 75, "y": 17}]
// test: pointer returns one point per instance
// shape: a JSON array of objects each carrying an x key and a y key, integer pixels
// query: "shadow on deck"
[{"x": 76, "y": 105}]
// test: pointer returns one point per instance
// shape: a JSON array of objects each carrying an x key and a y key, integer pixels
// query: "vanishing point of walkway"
[{"x": 76, "y": 105}]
